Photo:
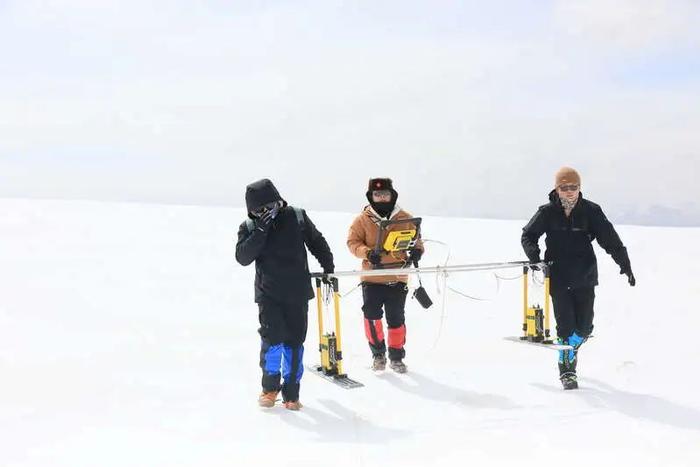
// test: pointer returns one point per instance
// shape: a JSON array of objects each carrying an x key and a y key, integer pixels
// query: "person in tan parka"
[{"x": 383, "y": 293}]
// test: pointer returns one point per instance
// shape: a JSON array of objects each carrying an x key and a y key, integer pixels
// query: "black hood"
[{"x": 260, "y": 193}]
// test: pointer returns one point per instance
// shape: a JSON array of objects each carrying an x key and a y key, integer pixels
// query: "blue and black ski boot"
[{"x": 568, "y": 360}]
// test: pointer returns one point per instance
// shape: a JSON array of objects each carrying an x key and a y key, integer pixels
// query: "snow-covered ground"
[{"x": 128, "y": 338}]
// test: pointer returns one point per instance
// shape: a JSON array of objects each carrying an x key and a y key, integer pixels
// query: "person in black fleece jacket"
[
  {"x": 571, "y": 223},
  {"x": 274, "y": 236}
]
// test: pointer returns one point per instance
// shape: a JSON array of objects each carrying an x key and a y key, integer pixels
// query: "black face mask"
[{"x": 383, "y": 208}]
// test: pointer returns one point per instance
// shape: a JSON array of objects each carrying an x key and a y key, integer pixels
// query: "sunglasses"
[
  {"x": 566, "y": 188},
  {"x": 382, "y": 193}
]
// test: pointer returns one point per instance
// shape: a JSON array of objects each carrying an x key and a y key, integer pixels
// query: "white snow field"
[{"x": 128, "y": 337}]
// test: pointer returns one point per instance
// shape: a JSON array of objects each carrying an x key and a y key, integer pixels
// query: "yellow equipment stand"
[
  {"x": 330, "y": 343},
  {"x": 535, "y": 319}
]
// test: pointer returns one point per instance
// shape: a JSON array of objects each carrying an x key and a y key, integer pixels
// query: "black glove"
[
  {"x": 630, "y": 277},
  {"x": 414, "y": 256},
  {"x": 264, "y": 222},
  {"x": 535, "y": 267},
  {"x": 374, "y": 257},
  {"x": 626, "y": 269},
  {"x": 325, "y": 279}
]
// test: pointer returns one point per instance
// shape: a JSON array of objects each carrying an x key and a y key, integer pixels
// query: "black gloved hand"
[
  {"x": 325, "y": 279},
  {"x": 374, "y": 257},
  {"x": 626, "y": 269},
  {"x": 264, "y": 222},
  {"x": 535, "y": 267},
  {"x": 414, "y": 256}
]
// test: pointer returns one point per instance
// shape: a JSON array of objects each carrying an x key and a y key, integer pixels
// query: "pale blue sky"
[{"x": 469, "y": 106}]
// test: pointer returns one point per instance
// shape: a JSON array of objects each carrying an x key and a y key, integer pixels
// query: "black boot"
[{"x": 567, "y": 372}]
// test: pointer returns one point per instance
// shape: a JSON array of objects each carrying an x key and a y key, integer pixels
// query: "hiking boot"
[
  {"x": 379, "y": 363},
  {"x": 292, "y": 405},
  {"x": 398, "y": 366},
  {"x": 568, "y": 381},
  {"x": 267, "y": 399}
]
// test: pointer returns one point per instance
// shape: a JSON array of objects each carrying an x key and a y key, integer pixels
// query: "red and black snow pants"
[{"x": 389, "y": 299}]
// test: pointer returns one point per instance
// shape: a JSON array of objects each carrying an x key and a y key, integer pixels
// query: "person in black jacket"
[
  {"x": 274, "y": 237},
  {"x": 571, "y": 223}
]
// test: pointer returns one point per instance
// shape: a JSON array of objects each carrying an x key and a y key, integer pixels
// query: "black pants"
[
  {"x": 283, "y": 332},
  {"x": 573, "y": 310},
  {"x": 378, "y": 300}
]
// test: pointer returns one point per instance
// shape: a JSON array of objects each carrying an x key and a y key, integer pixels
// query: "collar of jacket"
[{"x": 376, "y": 218}]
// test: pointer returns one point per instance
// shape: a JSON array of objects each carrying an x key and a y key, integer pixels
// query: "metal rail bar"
[{"x": 428, "y": 270}]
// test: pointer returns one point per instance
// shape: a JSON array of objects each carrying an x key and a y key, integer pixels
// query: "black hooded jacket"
[
  {"x": 569, "y": 241},
  {"x": 281, "y": 267}
]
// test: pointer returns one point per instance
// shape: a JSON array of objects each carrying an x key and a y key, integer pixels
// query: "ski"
[
  {"x": 552, "y": 345},
  {"x": 340, "y": 380}
]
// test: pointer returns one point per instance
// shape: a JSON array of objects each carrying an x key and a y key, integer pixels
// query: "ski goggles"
[
  {"x": 566, "y": 188},
  {"x": 260, "y": 211}
]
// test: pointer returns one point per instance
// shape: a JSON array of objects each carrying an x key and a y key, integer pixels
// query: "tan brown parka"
[{"x": 362, "y": 237}]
